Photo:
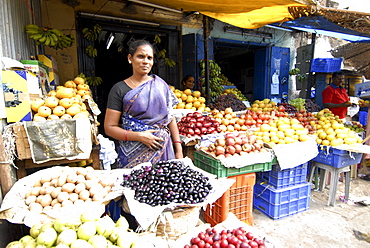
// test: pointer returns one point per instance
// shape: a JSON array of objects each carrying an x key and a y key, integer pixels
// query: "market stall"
[{"x": 258, "y": 158}]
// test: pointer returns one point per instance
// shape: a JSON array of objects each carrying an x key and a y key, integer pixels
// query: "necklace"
[{"x": 132, "y": 82}]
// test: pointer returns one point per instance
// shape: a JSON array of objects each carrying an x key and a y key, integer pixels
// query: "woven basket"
[{"x": 174, "y": 223}]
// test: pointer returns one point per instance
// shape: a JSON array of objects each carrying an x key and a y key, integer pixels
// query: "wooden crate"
[
  {"x": 21, "y": 142},
  {"x": 188, "y": 151}
]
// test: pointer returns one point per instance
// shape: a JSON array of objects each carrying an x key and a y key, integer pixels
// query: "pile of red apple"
[
  {"x": 236, "y": 238},
  {"x": 195, "y": 124},
  {"x": 307, "y": 120},
  {"x": 234, "y": 144}
]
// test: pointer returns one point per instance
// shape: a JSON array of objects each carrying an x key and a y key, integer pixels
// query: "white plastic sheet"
[{"x": 294, "y": 154}]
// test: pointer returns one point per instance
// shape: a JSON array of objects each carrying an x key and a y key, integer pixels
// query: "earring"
[{"x": 129, "y": 62}]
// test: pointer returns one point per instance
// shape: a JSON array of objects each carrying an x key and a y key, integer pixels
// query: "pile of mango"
[{"x": 190, "y": 100}]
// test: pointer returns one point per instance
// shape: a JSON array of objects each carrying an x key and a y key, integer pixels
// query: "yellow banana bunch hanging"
[
  {"x": 91, "y": 51},
  {"x": 50, "y": 37},
  {"x": 92, "y": 34},
  {"x": 93, "y": 81}
]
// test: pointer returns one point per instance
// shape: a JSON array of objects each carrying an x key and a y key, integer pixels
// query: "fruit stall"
[{"x": 240, "y": 156}]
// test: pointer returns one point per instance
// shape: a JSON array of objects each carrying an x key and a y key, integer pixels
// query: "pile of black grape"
[
  {"x": 228, "y": 101},
  {"x": 312, "y": 106},
  {"x": 168, "y": 182}
]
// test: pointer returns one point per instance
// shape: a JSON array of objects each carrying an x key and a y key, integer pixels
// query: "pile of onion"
[
  {"x": 233, "y": 144},
  {"x": 72, "y": 186}
]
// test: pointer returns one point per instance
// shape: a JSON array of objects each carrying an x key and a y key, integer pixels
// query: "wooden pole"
[
  {"x": 310, "y": 75},
  {"x": 206, "y": 67},
  {"x": 5, "y": 170}
]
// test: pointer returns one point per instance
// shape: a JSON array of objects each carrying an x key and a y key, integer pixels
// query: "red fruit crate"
[{"x": 238, "y": 199}]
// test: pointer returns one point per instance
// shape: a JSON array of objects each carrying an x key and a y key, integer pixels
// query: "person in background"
[
  {"x": 188, "y": 82},
  {"x": 139, "y": 113},
  {"x": 335, "y": 97}
]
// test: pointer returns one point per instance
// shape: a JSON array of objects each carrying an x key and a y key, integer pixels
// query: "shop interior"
[{"x": 237, "y": 64}]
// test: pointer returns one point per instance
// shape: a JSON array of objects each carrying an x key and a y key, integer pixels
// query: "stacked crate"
[
  {"x": 281, "y": 193},
  {"x": 238, "y": 198}
]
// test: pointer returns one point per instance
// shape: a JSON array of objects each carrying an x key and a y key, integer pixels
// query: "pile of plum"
[{"x": 168, "y": 182}]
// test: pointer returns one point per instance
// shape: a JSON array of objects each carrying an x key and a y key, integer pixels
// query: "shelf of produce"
[{"x": 29, "y": 164}]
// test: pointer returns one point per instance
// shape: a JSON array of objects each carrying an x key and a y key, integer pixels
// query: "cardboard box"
[
  {"x": 82, "y": 136},
  {"x": 41, "y": 71},
  {"x": 54, "y": 80},
  {"x": 16, "y": 96},
  {"x": 49, "y": 61}
]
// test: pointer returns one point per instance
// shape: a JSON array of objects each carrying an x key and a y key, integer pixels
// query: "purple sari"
[{"x": 148, "y": 106}]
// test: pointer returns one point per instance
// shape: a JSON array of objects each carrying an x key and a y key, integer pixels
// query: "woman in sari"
[{"x": 139, "y": 113}]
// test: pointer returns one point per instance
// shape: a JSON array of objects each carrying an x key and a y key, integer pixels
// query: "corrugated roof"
[
  {"x": 353, "y": 20},
  {"x": 357, "y": 55}
]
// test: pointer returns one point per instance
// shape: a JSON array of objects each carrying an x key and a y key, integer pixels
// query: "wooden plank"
[
  {"x": 5, "y": 170},
  {"x": 29, "y": 164},
  {"x": 95, "y": 157}
]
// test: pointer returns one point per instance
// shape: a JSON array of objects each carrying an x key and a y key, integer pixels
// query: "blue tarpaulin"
[{"x": 320, "y": 25}]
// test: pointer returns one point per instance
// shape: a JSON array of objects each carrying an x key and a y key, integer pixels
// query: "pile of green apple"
[{"x": 86, "y": 231}]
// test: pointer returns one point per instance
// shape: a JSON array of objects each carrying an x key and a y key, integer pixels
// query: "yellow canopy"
[{"x": 241, "y": 13}]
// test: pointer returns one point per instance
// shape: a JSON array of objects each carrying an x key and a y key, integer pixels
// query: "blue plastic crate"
[
  {"x": 282, "y": 210},
  {"x": 326, "y": 64},
  {"x": 283, "y": 195},
  {"x": 285, "y": 178},
  {"x": 336, "y": 157},
  {"x": 362, "y": 118}
]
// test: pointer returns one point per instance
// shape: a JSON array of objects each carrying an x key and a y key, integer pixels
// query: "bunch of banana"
[
  {"x": 169, "y": 62},
  {"x": 92, "y": 34},
  {"x": 162, "y": 53},
  {"x": 53, "y": 38},
  {"x": 33, "y": 29},
  {"x": 157, "y": 39},
  {"x": 64, "y": 42},
  {"x": 93, "y": 81},
  {"x": 91, "y": 51},
  {"x": 44, "y": 36}
]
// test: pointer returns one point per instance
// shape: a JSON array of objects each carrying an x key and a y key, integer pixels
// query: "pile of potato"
[{"x": 72, "y": 186}]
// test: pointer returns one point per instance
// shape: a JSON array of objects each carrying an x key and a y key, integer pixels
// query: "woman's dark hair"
[
  {"x": 186, "y": 78},
  {"x": 133, "y": 45},
  {"x": 337, "y": 74}
]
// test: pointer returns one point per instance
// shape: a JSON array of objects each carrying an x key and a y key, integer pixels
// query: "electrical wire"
[{"x": 33, "y": 13}]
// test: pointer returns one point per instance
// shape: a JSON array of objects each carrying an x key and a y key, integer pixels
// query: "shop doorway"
[
  {"x": 237, "y": 64},
  {"x": 111, "y": 63},
  {"x": 250, "y": 67}
]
